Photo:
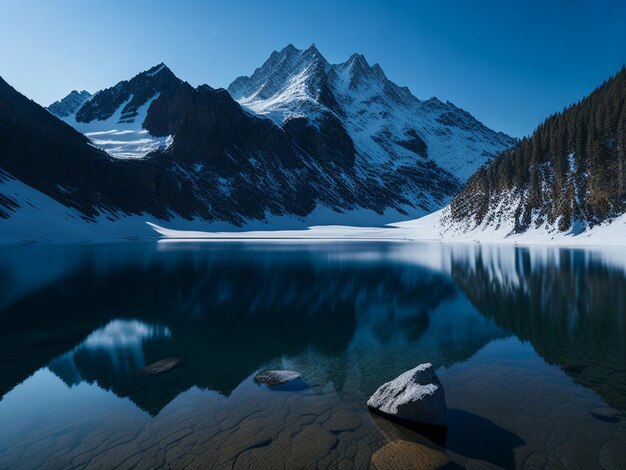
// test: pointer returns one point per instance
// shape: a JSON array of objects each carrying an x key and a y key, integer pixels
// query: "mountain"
[
  {"x": 222, "y": 166},
  {"x": 114, "y": 118},
  {"x": 342, "y": 171},
  {"x": 568, "y": 177},
  {"x": 344, "y": 144},
  {"x": 388, "y": 126},
  {"x": 215, "y": 140},
  {"x": 42, "y": 159}
]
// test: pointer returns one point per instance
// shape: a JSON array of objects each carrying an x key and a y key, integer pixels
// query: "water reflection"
[
  {"x": 570, "y": 306},
  {"x": 233, "y": 308},
  {"x": 230, "y": 312},
  {"x": 114, "y": 351},
  {"x": 347, "y": 317}
]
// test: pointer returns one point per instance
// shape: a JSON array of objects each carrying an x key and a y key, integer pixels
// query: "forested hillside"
[{"x": 569, "y": 175}]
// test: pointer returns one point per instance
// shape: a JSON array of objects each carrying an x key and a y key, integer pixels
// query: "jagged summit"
[
  {"x": 158, "y": 68},
  {"x": 130, "y": 95},
  {"x": 304, "y": 69},
  {"x": 356, "y": 57},
  {"x": 383, "y": 120},
  {"x": 313, "y": 53}
]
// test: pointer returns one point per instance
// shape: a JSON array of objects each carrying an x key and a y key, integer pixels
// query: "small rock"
[
  {"x": 416, "y": 396},
  {"x": 400, "y": 454},
  {"x": 161, "y": 366},
  {"x": 607, "y": 415},
  {"x": 276, "y": 377}
]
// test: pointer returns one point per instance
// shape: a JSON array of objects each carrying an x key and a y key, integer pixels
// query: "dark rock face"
[
  {"x": 134, "y": 93},
  {"x": 414, "y": 143},
  {"x": 215, "y": 130},
  {"x": 70, "y": 104},
  {"x": 168, "y": 110},
  {"x": 328, "y": 144},
  {"x": 47, "y": 154},
  {"x": 50, "y": 156}
]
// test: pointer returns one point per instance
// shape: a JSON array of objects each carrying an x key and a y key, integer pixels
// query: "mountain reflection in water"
[{"x": 348, "y": 317}]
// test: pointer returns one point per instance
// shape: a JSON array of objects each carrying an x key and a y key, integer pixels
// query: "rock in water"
[
  {"x": 416, "y": 395},
  {"x": 276, "y": 377},
  {"x": 161, "y": 366}
]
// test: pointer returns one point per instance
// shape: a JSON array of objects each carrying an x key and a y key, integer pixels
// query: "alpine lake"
[{"x": 528, "y": 342}]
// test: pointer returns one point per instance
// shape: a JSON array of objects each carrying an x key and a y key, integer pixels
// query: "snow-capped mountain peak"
[
  {"x": 157, "y": 69},
  {"x": 386, "y": 122},
  {"x": 132, "y": 94},
  {"x": 113, "y": 118},
  {"x": 290, "y": 70},
  {"x": 344, "y": 139},
  {"x": 313, "y": 54}
]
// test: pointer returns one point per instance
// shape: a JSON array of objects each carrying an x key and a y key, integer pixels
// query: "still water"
[{"x": 529, "y": 344}]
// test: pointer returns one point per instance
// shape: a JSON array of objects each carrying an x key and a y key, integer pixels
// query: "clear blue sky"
[{"x": 510, "y": 64}]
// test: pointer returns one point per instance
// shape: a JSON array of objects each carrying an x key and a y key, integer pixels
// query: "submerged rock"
[
  {"x": 161, "y": 366},
  {"x": 401, "y": 454},
  {"x": 276, "y": 377},
  {"x": 416, "y": 396},
  {"x": 608, "y": 415}
]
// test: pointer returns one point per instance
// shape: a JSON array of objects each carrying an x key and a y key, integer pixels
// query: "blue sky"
[{"x": 511, "y": 64}]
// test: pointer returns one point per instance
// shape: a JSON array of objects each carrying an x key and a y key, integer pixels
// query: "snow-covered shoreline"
[
  {"x": 425, "y": 229},
  {"x": 41, "y": 219}
]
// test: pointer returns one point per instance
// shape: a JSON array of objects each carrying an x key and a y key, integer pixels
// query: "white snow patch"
[
  {"x": 154, "y": 72},
  {"x": 428, "y": 228},
  {"x": 119, "y": 136}
]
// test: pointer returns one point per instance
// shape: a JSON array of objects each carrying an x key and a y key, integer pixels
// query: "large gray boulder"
[{"x": 416, "y": 396}]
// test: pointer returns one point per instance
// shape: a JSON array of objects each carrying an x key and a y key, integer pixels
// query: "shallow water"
[{"x": 529, "y": 344}]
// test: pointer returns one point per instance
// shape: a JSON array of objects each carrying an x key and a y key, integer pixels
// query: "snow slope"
[
  {"x": 119, "y": 136},
  {"x": 121, "y": 132},
  {"x": 439, "y": 226},
  {"x": 433, "y": 227},
  {"x": 35, "y": 217}
]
